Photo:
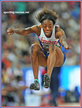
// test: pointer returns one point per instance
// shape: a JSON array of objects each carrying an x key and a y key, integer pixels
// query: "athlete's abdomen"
[{"x": 46, "y": 44}]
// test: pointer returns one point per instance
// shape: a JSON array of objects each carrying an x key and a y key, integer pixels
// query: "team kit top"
[{"x": 45, "y": 42}]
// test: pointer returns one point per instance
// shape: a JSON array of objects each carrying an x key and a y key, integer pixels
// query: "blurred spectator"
[
  {"x": 17, "y": 71},
  {"x": 72, "y": 96},
  {"x": 5, "y": 59}
]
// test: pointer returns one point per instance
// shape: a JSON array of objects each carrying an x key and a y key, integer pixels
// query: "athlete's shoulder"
[
  {"x": 59, "y": 31},
  {"x": 58, "y": 28}
]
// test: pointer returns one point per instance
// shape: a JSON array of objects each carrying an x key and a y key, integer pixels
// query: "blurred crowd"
[{"x": 16, "y": 48}]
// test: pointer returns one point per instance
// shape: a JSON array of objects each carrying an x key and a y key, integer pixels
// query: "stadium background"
[{"x": 16, "y": 61}]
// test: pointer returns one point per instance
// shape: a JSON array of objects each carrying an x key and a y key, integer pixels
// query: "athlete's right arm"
[{"x": 25, "y": 31}]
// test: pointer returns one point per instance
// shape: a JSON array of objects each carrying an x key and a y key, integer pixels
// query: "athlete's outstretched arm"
[
  {"x": 25, "y": 31},
  {"x": 62, "y": 37}
]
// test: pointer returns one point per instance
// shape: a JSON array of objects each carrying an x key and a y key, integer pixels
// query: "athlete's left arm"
[{"x": 62, "y": 38}]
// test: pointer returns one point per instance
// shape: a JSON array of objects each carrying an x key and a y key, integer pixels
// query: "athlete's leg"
[
  {"x": 34, "y": 58},
  {"x": 55, "y": 59},
  {"x": 51, "y": 59},
  {"x": 50, "y": 64},
  {"x": 38, "y": 58}
]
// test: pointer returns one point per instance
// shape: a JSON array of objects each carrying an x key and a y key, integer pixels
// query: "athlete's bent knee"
[{"x": 34, "y": 48}]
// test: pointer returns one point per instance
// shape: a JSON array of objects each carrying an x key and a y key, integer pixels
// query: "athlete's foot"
[
  {"x": 35, "y": 85},
  {"x": 46, "y": 80}
]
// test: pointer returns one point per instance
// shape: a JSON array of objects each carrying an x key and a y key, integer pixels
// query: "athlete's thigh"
[
  {"x": 41, "y": 57},
  {"x": 59, "y": 57}
]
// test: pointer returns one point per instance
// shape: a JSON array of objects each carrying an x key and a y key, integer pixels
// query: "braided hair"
[{"x": 47, "y": 14}]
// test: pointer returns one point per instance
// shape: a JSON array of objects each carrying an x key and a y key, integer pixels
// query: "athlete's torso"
[{"x": 46, "y": 41}]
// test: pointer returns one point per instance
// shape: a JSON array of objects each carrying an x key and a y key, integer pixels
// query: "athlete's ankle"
[{"x": 36, "y": 80}]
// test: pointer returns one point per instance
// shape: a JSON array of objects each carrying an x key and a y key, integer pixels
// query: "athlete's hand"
[{"x": 10, "y": 31}]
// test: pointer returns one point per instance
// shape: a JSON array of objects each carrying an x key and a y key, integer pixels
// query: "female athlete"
[{"x": 47, "y": 51}]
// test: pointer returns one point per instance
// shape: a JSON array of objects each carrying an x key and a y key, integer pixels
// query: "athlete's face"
[{"x": 47, "y": 26}]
